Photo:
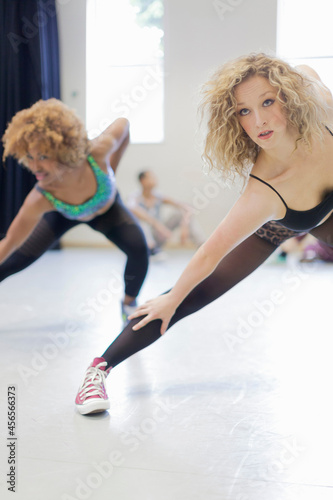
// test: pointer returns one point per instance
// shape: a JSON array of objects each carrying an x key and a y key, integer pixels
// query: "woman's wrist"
[{"x": 175, "y": 298}]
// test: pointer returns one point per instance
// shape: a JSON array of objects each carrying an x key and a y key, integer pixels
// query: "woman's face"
[
  {"x": 45, "y": 169},
  {"x": 259, "y": 112}
]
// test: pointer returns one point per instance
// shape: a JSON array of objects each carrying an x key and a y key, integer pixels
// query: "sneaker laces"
[{"x": 94, "y": 380}]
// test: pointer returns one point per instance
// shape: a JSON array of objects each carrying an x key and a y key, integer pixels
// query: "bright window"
[
  {"x": 125, "y": 61},
  {"x": 304, "y": 35}
]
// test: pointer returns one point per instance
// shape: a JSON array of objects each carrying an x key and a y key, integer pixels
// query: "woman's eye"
[
  {"x": 268, "y": 102},
  {"x": 43, "y": 157},
  {"x": 244, "y": 112}
]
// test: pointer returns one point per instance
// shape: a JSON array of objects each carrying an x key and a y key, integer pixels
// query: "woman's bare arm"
[{"x": 112, "y": 142}]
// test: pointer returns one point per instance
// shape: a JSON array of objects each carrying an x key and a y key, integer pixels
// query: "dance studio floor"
[{"x": 234, "y": 403}]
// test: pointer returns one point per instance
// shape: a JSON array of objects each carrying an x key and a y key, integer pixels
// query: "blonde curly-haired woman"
[{"x": 270, "y": 124}]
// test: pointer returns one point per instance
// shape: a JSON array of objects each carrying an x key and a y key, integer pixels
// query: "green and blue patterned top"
[{"x": 106, "y": 192}]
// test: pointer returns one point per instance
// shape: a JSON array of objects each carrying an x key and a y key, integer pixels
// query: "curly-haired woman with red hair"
[{"x": 75, "y": 184}]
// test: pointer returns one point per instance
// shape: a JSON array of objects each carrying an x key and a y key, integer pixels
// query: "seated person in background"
[{"x": 157, "y": 226}]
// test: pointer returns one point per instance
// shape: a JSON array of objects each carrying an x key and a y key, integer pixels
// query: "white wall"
[{"x": 200, "y": 35}]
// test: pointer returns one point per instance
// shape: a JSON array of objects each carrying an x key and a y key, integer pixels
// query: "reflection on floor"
[{"x": 234, "y": 403}]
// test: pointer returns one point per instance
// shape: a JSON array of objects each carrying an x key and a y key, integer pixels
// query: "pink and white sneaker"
[{"x": 92, "y": 397}]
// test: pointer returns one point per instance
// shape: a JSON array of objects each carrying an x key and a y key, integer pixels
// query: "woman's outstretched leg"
[
  {"x": 47, "y": 232},
  {"x": 236, "y": 266},
  {"x": 241, "y": 262}
]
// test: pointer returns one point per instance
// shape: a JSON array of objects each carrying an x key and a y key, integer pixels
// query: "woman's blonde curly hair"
[
  {"x": 227, "y": 147},
  {"x": 52, "y": 128}
]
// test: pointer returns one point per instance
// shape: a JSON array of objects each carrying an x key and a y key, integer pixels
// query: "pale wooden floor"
[{"x": 234, "y": 403}]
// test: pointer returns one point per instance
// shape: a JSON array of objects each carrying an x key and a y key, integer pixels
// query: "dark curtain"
[{"x": 29, "y": 71}]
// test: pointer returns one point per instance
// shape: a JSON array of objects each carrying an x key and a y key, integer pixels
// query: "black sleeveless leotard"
[{"x": 303, "y": 220}]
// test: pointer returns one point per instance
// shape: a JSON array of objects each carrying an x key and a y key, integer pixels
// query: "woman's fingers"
[
  {"x": 158, "y": 308},
  {"x": 142, "y": 323},
  {"x": 140, "y": 311},
  {"x": 147, "y": 319},
  {"x": 164, "y": 327},
  {"x": 136, "y": 315}
]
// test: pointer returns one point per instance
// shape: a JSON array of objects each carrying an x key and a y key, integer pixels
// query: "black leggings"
[
  {"x": 236, "y": 266},
  {"x": 117, "y": 224}
]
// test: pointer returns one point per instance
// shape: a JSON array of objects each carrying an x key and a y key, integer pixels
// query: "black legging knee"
[{"x": 47, "y": 232}]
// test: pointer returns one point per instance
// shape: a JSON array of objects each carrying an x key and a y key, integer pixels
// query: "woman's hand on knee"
[{"x": 161, "y": 307}]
